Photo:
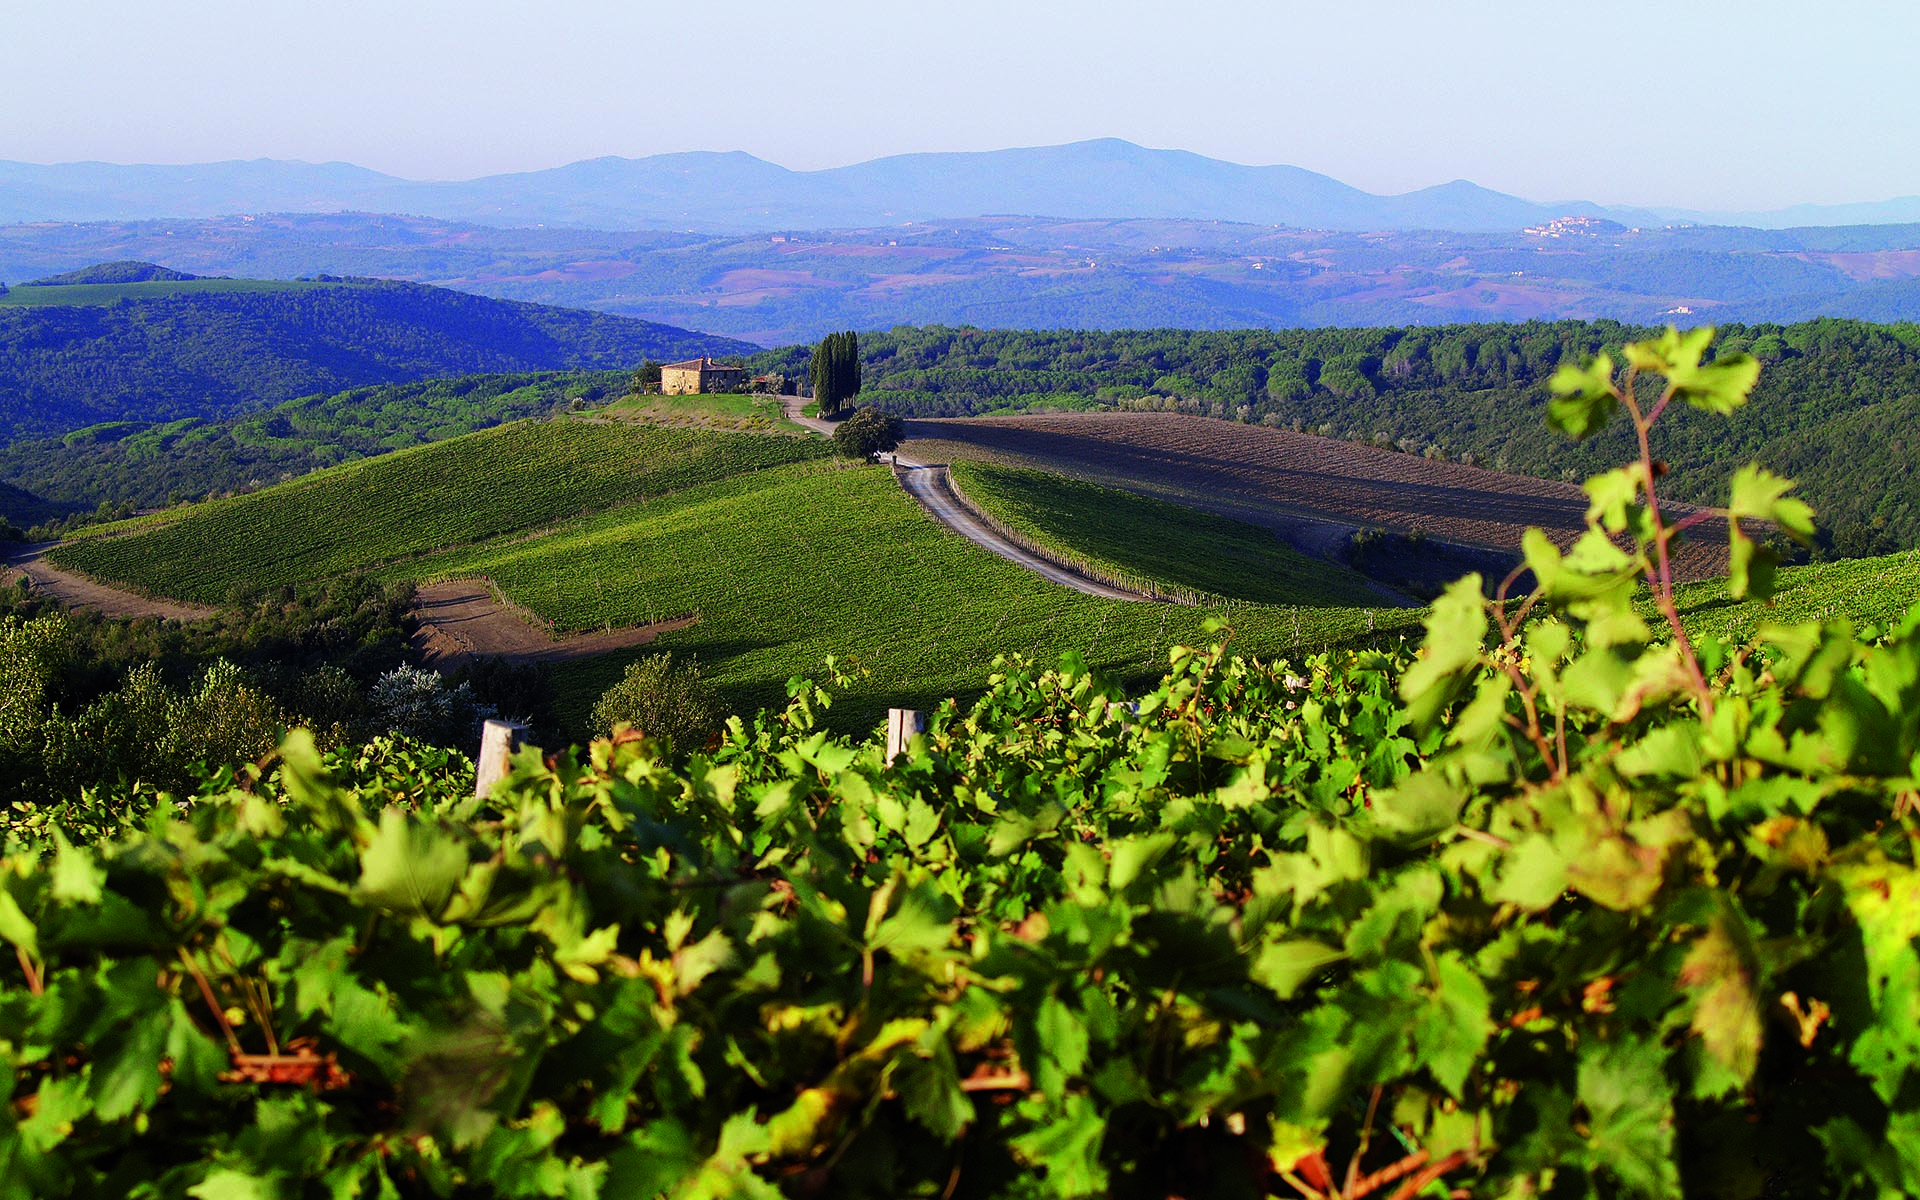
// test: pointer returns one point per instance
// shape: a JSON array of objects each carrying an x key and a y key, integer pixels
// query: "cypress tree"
[{"x": 836, "y": 371}]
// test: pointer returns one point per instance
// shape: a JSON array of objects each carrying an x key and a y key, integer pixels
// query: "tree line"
[{"x": 1837, "y": 406}]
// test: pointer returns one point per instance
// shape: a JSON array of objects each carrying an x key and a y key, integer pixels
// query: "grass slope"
[
  {"x": 1122, "y": 535},
  {"x": 791, "y": 565},
  {"x": 512, "y": 478}
]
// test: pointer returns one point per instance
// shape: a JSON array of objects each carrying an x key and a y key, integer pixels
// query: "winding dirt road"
[
  {"x": 934, "y": 490},
  {"x": 71, "y": 591}
]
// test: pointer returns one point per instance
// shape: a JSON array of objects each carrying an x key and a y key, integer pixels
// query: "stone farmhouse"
[{"x": 700, "y": 375}]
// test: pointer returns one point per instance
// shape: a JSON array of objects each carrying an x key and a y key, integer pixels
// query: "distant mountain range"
[{"x": 736, "y": 192}]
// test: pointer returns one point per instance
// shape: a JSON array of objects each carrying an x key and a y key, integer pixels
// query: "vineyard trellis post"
[
  {"x": 499, "y": 740},
  {"x": 902, "y": 724}
]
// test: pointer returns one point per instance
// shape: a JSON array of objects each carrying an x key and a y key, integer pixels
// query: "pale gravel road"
[{"x": 931, "y": 487}]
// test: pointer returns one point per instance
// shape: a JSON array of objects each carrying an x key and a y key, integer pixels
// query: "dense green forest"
[
  {"x": 1836, "y": 407},
  {"x": 221, "y": 353},
  {"x": 147, "y": 464}
]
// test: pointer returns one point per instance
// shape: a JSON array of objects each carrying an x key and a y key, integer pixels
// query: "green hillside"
[
  {"x": 23, "y": 508},
  {"x": 785, "y": 566},
  {"x": 1136, "y": 540},
  {"x": 237, "y": 346},
  {"x": 146, "y": 464},
  {"x": 513, "y": 478},
  {"x": 789, "y": 566}
]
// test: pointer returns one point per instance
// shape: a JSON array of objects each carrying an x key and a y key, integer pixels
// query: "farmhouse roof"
[{"x": 700, "y": 364}]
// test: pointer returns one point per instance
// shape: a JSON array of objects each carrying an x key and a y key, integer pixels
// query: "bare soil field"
[
  {"x": 461, "y": 620},
  {"x": 1313, "y": 491}
]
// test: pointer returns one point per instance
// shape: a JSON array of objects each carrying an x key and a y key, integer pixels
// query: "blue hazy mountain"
[{"x": 736, "y": 192}]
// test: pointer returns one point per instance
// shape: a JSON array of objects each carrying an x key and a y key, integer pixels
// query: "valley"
[{"x": 1042, "y": 271}]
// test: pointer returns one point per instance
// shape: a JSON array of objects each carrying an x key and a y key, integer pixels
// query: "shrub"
[
  {"x": 869, "y": 433},
  {"x": 667, "y": 701},
  {"x": 419, "y": 704}
]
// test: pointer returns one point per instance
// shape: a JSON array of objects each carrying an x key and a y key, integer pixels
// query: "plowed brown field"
[{"x": 1288, "y": 481}]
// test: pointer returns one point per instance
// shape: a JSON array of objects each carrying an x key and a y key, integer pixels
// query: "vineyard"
[
  {"x": 788, "y": 566},
  {"x": 1170, "y": 547},
  {"x": 515, "y": 477},
  {"x": 1574, "y": 900},
  {"x": 1277, "y": 931}
]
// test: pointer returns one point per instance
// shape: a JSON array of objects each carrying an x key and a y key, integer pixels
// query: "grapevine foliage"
[{"x": 1552, "y": 907}]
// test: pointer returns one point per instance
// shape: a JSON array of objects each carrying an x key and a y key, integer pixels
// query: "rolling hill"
[
  {"x": 785, "y": 560},
  {"x": 245, "y": 345}
]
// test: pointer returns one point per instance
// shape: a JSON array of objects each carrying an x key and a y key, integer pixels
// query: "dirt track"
[
  {"x": 1306, "y": 487},
  {"x": 931, "y": 487},
  {"x": 73, "y": 591},
  {"x": 461, "y": 621}
]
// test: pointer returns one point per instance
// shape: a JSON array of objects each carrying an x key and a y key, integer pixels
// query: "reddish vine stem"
[
  {"x": 1366, "y": 1139},
  {"x": 213, "y": 1004},
  {"x": 1661, "y": 580},
  {"x": 1413, "y": 1187},
  {"x": 1389, "y": 1173},
  {"x": 36, "y": 982}
]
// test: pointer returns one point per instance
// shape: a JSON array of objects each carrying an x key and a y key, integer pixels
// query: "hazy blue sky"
[{"x": 1703, "y": 103}]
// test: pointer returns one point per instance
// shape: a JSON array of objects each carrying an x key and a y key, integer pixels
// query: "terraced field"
[
  {"x": 1311, "y": 489},
  {"x": 512, "y": 478}
]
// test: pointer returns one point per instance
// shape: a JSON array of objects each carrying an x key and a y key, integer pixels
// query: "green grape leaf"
[
  {"x": 1455, "y": 1024},
  {"x": 1629, "y": 1104},
  {"x": 77, "y": 879},
  {"x": 410, "y": 868},
  {"x": 1583, "y": 398},
  {"x": 1067, "y": 1147},
  {"x": 1721, "y": 973},
  {"x": 1751, "y": 568},
  {"x": 1721, "y": 386},
  {"x": 1283, "y": 966},
  {"x": 226, "y": 1183},
  {"x": 1757, "y": 494},
  {"x": 1421, "y": 808},
  {"x": 1532, "y": 875},
  {"x": 1456, "y": 628},
  {"x": 1133, "y": 856},
  {"x": 1613, "y": 498},
  {"x": 15, "y": 926}
]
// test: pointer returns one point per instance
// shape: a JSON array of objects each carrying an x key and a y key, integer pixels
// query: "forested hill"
[
  {"x": 214, "y": 353},
  {"x": 123, "y": 271},
  {"x": 145, "y": 465},
  {"x": 1838, "y": 404}
]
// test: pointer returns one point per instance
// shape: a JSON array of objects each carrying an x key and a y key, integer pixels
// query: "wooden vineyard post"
[
  {"x": 902, "y": 724},
  {"x": 498, "y": 741}
]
